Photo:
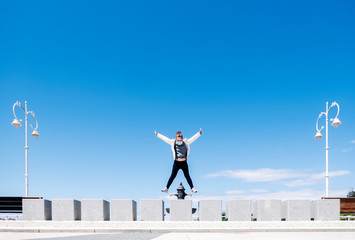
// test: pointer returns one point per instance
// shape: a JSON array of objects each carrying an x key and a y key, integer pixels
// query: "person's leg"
[
  {"x": 185, "y": 169},
  {"x": 174, "y": 172}
]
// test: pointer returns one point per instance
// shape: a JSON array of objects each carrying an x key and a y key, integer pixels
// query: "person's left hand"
[{"x": 200, "y": 130}]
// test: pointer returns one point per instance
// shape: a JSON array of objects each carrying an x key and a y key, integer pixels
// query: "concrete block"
[
  {"x": 152, "y": 210},
  {"x": 238, "y": 210},
  {"x": 180, "y": 210},
  {"x": 123, "y": 210},
  {"x": 325, "y": 210},
  {"x": 95, "y": 210},
  {"x": 296, "y": 210},
  {"x": 267, "y": 210},
  {"x": 66, "y": 210},
  {"x": 36, "y": 209},
  {"x": 210, "y": 210}
]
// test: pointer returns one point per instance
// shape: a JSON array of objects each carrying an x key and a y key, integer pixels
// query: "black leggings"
[{"x": 185, "y": 168}]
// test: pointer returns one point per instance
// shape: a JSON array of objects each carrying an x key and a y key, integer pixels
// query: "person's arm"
[
  {"x": 162, "y": 137},
  {"x": 194, "y": 137}
]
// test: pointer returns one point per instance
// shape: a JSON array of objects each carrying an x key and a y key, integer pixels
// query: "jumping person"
[{"x": 181, "y": 150}]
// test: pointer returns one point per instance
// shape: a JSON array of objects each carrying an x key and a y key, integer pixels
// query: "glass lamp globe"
[
  {"x": 336, "y": 122},
  {"x": 318, "y": 135},
  {"x": 16, "y": 123},
  {"x": 35, "y": 133}
]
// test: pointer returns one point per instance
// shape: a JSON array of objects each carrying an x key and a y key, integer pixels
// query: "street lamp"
[
  {"x": 336, "y": 123},
  {"x": 17, "y": 123}
]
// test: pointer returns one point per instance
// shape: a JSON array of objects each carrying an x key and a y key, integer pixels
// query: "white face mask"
[{"x": 179, "y": 142}]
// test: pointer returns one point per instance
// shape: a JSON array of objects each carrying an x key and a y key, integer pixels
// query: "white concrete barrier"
[
  {"x": 123, "y": 210},
  {"x": 180, "y": 210},
  {"x": 238, "y": 210},
  {"x": 95, "y": 210},
  {"x": 296, "y": 210},
  {"x": 66, "y": 210},
  {"x": 267, "y": 210},
  {"x": 210, "y": 210},
  {"x": 152, "y": 210},
  {"x": 325, "y": 210},
  {"x": 36, "y": 209}
]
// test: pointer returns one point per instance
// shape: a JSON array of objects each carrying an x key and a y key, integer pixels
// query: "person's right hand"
[{"x": 155, "y": 133}]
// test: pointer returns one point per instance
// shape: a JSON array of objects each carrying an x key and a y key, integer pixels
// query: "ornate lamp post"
[
  {"x": 17, "y": 123},
  {"x": 336, "y": 123}
]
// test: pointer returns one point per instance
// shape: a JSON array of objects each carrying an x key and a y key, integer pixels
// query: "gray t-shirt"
[{"x": 180, "y": 150}]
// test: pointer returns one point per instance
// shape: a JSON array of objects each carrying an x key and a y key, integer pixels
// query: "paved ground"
[{"x": 183, "y": 236}]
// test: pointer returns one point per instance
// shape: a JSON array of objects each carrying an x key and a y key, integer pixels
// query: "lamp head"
[
  {"x": 318, "y": 135},
  {"x": 336, "y": 122},
  {"x": 16, "y": 123},
  {"x": 35, "y": 133}
]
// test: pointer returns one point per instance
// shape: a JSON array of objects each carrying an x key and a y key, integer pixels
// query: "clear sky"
[{"x": 101, "y": 76}]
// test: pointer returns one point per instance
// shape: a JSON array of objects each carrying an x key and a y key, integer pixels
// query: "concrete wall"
[{"x": 180, "y": 210}]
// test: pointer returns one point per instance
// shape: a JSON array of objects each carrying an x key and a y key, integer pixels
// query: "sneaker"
[
  {"x": 194, "y": 190},
  {"x": 165, "y": 189}
]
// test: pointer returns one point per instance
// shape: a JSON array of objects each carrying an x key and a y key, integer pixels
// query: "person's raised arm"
[
  {"x": 194, "y": 137},
  {"x": 162, "y": 137}
]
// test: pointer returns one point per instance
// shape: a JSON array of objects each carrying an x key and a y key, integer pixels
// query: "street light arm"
[
  {"x": 13, "y": 109},
  {"x": 320, "y": 115},
  {"x": 334, "y": 104},
  {"x": 33, "y": 114}
]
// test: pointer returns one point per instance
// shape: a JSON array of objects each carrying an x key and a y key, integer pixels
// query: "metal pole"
[
  {"x": 26, "y": 150},
  {"x": 326, "y": 152}
]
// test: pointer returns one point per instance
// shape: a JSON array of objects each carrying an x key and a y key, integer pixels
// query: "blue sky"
[{"x": 101, "y": 76}]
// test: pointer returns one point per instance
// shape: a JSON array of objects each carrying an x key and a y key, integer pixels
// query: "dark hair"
[{"x": 179, "y": 133}]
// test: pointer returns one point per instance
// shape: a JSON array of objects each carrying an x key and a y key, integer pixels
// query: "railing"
[
  {"x": 11, "y": 217},
  {"x": 347, "y": 218}
]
